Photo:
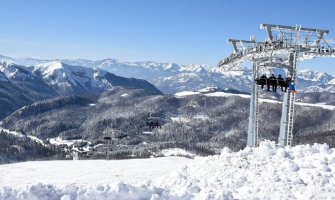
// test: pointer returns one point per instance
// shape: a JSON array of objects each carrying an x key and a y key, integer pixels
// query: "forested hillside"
[{"x": 202, "y": 122}]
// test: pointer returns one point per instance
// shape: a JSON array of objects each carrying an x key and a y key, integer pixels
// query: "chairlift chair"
[
  {"x": 107, "y": 138},
  {"x": 120, "y": 136},
  {"x": 154, "y": 122}
]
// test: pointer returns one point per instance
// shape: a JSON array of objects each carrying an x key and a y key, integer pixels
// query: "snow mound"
[
  {"x": 119, "y": 191},
  {"x": 265, "y": 172},
  {"x": 176, "y": 152},
  {"x": 186, "y": 93}
]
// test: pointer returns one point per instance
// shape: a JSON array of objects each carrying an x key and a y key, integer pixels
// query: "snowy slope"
[
  {"x": 265, "y": 172},
  {"x": 92, "y": 172},
  {"x": 184, "y": 94}
]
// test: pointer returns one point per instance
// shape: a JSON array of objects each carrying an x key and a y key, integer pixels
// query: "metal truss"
[{"x": 284, "y": 47}]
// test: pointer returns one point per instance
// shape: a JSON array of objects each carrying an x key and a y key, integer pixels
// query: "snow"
[
  {"x": 87, "y": 172},
  {"x": 17, "y": 134},
  {"x": 148, "y": 133},
  {"x": 328, "y": 107},
  {"x": 186, "y": 93},
  {"x": 201, "y": 117},
  {"x": 49, "y": 67},
  {"x": 187, "y": 119},
  {"x": 11, "y": 71},
  {"x": 207, "y": 89},
  {"x": 36, "y": 139},
  {"x": 60, "y": 141},
  {"x": 64, "y": 76},
  {"x": 224, "y": 94},
  {"x": 176, "y": 152},
  {"x": 265, "y": 172},
  {"x": 314, "y": 76}
]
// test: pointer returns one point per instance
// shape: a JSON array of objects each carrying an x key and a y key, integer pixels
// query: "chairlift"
[
  {"x": 120, "y": 136},
  {"x": 154, "y": 122},
  {"x": 279, "y": 81},
  {"x": 107, "y": 137}
]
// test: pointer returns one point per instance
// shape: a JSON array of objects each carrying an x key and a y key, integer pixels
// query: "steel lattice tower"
[{"x": 284, "y": 50}]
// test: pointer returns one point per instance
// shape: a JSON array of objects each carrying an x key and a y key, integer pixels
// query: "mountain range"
[
  {"x": 171, "y": 78},
  {"x": 20, "y": 85}
]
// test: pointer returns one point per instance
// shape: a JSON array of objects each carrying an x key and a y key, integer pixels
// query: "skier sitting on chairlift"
[
  {"x": 153, "y": 124},
  {"x": 272, "y": 80},
  {"x": 288, "y": 81},
  {"x": 261, "y": 81},
  {"x": 157, "y": 124},
  {"x": 282, "y": 83}
]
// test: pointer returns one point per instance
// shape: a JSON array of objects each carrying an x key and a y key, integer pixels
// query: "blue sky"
[{"x": 179, "y": 31}]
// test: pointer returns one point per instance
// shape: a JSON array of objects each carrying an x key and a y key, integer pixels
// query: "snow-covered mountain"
[
  {"x": 20, "y": 86},
  {"x": 69, "y": 79},
  {"x": 171, "y": 78},
  {"x": 313, "y": 81},
  {"x": 23, "y": 77}
]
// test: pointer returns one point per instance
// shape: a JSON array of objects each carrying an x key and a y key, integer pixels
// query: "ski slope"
[
  {"x": 265, "y": 172},
  {"x": 224, "y": 94}
]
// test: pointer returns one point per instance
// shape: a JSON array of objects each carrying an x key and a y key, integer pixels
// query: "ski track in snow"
[{"x": 265, "y": 172}]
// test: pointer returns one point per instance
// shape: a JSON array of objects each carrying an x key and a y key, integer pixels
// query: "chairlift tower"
[
  {"x": 108, "y": 139},
  {"x": 284, "y": 47}
]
